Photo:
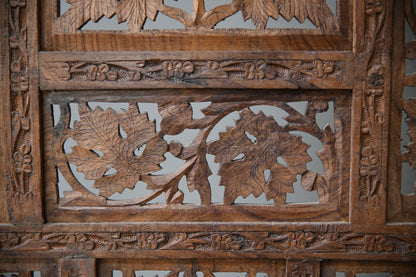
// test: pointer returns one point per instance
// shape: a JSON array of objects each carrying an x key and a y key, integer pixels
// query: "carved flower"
[
  {"x": 376, "y": 78},
  {"x": 80, "y": 242},
  {"x": 23, "y": 159},
  {"x": 224, "y": 242},
  {"x": 299, "y": 239},
  {"x": 177, "y": 68},
  {"x": 101, "y": 72},
  {"x": 150, "y": 241},
  {"x": 259, "y": 71},
  {"x": 377, "y": 243},
  {"x": 369, "y": 162}
]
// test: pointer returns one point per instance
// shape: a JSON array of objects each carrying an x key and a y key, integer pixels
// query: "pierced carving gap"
[
  {"x": 114, "y": 155},
  {"x": 56, "y": 114},
  {"x": 151, "y": 273},
  {"x": 282, "y": 23},
  {"x": 163, "y": 22},
  {"x": 235, "y": 21},
  {"x": 374, "y": 274},
  {"x": 105, "y": 24}
]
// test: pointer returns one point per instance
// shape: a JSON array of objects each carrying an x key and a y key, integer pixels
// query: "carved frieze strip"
[
  {"x": 23, "y": 174},
  {"x": 271, "y": 244},
  {"x": 372, "y": 90},
  {"x": 194, "y": 70}
]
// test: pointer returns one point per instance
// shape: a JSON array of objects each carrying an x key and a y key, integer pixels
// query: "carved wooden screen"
[{"x": 59, "y": 89}]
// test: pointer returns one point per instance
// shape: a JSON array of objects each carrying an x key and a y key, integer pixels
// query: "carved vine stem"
[{"x": 373, "y": 91}]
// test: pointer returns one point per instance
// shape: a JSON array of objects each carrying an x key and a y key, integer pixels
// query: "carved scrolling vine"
[
  {"x": 300, "y": 73},
  {"x": 253, "y": 146},
  {"x": 135, "y": 13},
  {"x": 373, "y": 56},
  {"x": 19, "y": 191},
  {"x": 247, "y": 242}
]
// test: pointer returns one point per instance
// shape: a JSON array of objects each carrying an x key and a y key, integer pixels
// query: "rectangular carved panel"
[
  {"x": 104, "y": 151},
  {"x": 128, "y": 70}
]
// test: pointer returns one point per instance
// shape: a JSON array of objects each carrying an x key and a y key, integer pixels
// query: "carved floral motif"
[
  {"x": 295, "y": 71},
  {"x": 350, "y": 243},
  {"x": 135, "y": 12},
  {"x": 372, "y": 56},
  {"x": 21, "y": 194}
]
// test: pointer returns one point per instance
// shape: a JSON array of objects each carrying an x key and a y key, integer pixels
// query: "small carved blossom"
[
  {"x": 101, "y": 73},
  {"x": 258, "y": 71},
  {"x": 299, "y": 239},
  {"x": 23, "y": 159},
  {"x": 150, "y": 241},
  {"x": 224, "y": 242},
  {"x": 369, "y": 162},
  {"x": 377, "y": 243},
  {"x": 80, "y": 242},
  {"x": 177, "y": 68}
]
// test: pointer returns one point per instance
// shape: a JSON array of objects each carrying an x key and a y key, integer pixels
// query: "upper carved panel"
[{"x": 135, "y": 13}]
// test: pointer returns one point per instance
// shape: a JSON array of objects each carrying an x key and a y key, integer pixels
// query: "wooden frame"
[{"x": 359, "y": 66}]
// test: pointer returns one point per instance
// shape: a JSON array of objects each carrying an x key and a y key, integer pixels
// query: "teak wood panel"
[{"x": 354, "y": 60}]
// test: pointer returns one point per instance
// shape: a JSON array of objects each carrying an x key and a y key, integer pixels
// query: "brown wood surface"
[{"x": 354, "y": 60}]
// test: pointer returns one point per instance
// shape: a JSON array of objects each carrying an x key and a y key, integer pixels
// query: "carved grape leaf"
[
  {"x": 101, "y": 131},
  {"x": 316, "y": 10},
  {"x": 258, "y": 10},
  {"x": 135, "y": 12},
  {"x": 253, "y": 146},
  {"x": 82, "y": 11}
]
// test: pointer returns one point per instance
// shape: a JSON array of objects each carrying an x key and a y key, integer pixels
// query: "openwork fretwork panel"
[{"x": 169, "y": 150}]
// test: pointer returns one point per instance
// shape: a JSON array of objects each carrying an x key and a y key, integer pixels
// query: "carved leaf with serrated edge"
[
  {"x": 316, "y": 11},
  {"x": 135, "y": 12},
  {"x": 253, "y": 146},
  {"x": 83, "y": 10},
  {"x": 99, "y": 131}
]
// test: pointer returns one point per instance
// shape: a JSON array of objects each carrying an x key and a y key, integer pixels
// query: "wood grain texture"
[{"x": 354, "y": 61}]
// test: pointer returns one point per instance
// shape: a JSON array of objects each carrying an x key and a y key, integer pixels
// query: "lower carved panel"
[{"x": 258, "y": 147}]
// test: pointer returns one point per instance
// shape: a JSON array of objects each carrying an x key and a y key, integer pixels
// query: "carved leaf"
[
  {"x": 99, "y": 131},
  {"x": 258, "y": 10},
  {"x": 317, "y": 11},
  {"x": 83, "y": 10},
  {"x": 253, "y": 146},
  {"x": 135, "y": 12}
]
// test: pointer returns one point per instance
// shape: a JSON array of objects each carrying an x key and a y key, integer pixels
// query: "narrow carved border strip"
[
  {"x": 168, "y": 69},
  {"x": 273, "y": 244},
  {"x": 23, "y": 141}
]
